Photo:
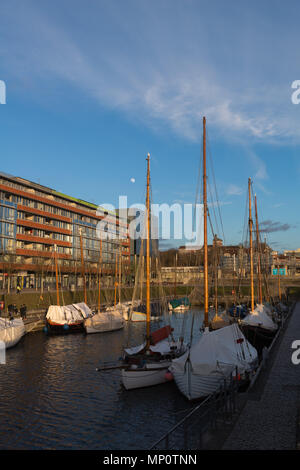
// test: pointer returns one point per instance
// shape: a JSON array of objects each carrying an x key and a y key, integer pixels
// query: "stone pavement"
[{"x": 270, "y": 422}]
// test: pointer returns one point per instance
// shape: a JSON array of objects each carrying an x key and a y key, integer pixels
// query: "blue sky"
[{"x": 92, "y": 87}]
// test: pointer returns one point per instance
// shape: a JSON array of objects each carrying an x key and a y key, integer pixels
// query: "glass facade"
[
  {"x": 32, "y": 230},
  {"x": 8, "y": 227}
]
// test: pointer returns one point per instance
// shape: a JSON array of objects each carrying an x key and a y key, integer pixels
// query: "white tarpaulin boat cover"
[
  {"x": 267, "y": 308},
  {"x": 225, "y": 349},
  {"x": 166, "y": 346},
  {"x": 163, "y": 347},
  {"x": 84, "y": 309},
  {"x": 259, "y": 317},
  {"x": 104, "y": 321},
  {"x": 11, "y": 331},
  {"x": 67, "y": 314},
  {"x": 135, "y": 349}
]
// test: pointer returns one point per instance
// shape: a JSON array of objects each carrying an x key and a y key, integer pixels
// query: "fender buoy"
[
  {"x": 169, "y": 376},
  {"x": 66, "y": 327}
]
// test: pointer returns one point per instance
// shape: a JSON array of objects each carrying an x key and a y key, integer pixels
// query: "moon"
[{"x": 132, "y": 180}]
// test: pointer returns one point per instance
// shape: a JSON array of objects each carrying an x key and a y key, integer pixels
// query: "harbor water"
[{"x": 52, "y": 397}]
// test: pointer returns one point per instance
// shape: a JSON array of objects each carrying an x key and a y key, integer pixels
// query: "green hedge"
[{"x": 34, "y": 300}]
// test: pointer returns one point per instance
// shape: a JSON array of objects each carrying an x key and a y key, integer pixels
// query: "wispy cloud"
[
  {"x": 219, "y": 203},
  {"x": 269, "y": 226},
  {"x": 161, "y": 73},
  {"x": 260, "y": 174},
  {"x": 234, "y": 190}
]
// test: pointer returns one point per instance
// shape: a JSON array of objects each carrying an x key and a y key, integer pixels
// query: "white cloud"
[
  {"x": 219, "y": 203},
  {"x": 154, "y": 67},
  {"x": 260, "y": 175},
  {"x": 234, "y": 190}
]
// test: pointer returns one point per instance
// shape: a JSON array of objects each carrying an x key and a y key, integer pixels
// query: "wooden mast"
[
  {"x": 120, "y": 272},
  {"x": 251, "y": 245},
  {"x": 56, "y": 276},
  {"x": 216, "y": 278},
  {"x": 116, "y": 282},
  {"x": 175, "y": 284},
  {"x": 148, "y": 254},
  {"x": 279, "y": 289},
  {"x": 83, "y": 269},
  {"x": 99, "y": 276},
  {"x": 258, "y": 256},
  {"x": 205, "y": 228},
  {"x": 142, "y": 274}
]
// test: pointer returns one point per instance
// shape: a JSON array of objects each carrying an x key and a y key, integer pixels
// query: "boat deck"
[{"x": 269, "y": 419}]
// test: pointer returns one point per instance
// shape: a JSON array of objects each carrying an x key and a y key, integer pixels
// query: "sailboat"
[
  {"x": 121, "y": 308},
  {"x": 103, "y": 321},
  {"x": 217, "y": 354},
  {"x": 11, "y": 331},
  {"x": 220, "y": 318},
  {"x": 65, "y": 318},
  {"x": 182, "y": 304},
  {"x": 257, "y": 326},
  {"x": 137, "y": 311},
  {"x": 147, "y": 364},
  {"x": 179, "y": 305}
]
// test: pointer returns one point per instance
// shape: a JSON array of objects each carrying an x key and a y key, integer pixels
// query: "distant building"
[
  {"x": 38, "y": 223},
  {"x": 232, "y": 260},
  {"x": 292, "y": 252},
  {"x": 137, "y": 242},
  {"x": 288, "y": 263},
  {"x": 181, "y": 274}
]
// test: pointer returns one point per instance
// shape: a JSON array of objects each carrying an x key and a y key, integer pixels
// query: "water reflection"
[{"x": 53, "y": 398}]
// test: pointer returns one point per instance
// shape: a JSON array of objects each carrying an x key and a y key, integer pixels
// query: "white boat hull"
[
  {"x": 152, "y": 374},
  {"x": 181, "y": 308},
  {"x": 102, "y": 328},
  {"x": 123, "y": 309},
  {"x": 212, "y": 360},
  {"x": 11, "y": 332},
  {"x": 194, "y": 386},
  {"x": 125, "y": 316},
  {"x": 139, "y": 316},
  {"x": 104, "y": 322}
]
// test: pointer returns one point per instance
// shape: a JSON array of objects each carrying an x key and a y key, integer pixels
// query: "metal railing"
[
  {"x": 267, "y": 351},
  {"x": 217, "y": 409}
]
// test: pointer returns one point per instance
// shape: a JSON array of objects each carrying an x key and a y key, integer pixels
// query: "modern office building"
[{"x": 39, "y": 224}]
